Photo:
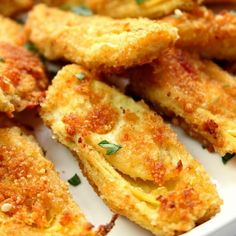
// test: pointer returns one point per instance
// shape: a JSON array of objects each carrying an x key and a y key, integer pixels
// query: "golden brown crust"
[
  {"x": 98, "y": 42},
  {"x": 33, "y": 200},
  {"x": 210, "y": 35},
  {"x": 9, "y": 8},
  {"x": 151, "y": 163},
  {"x": 197, "y": 91},
  {"x": 129, "y": 8},
  {"x": 11, "y": 32},
  {"x": 22, "y": 79}
]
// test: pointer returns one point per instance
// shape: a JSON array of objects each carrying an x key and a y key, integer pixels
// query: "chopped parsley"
[
  {"x": 80, "y": 76},
  {"x": 139, "y": 1},
  {"x": 79, "y": 10},
  {"x": 2, "y": 60},
  {"x": 110, "y": 147},
  {"x": 227, "y": 157},
  {"x": 31, "y": 47},
  {"x": 75, "y": 180}
]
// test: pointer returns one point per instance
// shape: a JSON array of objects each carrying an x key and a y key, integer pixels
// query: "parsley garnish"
[
  {"x": 31, "y": 47},
  {"x": 227, "y": 157},
  {"x": 2, "y": 59},
  {"x": 80, "y": 76},
  {"x": 75, "y": 180},
  {"x": 110, "y": 147},
  {"x": 79, "y": 10},
  {"x": 139, "y": 1}
]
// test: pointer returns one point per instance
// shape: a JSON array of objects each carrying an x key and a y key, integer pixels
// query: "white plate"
[{"x": 224, "y": 176}]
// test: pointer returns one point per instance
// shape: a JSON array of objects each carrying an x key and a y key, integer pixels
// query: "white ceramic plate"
[{"x": 224, "y": 176}]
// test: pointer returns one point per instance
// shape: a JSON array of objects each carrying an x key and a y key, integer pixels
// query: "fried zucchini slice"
[
  {"x": 22, "y": 79},
  {"x": 61, "y": 2},
  {"x": 12, "y": 7},
  {"x": 98, "y": 42},
  {"x": 197, "y": 94},
  {"x": 132, "y": 159},
  {"x": 129, "y": 8},
  {"x": 211, "y": 35},
  {"x": 11, "y": 32},
  {"x": 33, "y": 199}
]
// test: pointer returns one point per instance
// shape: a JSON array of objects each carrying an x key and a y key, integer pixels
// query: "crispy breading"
[
  {"x": 211, "y": 35},
  {"x": 151, "y": 179},
  {"x": 98, "y": 42},
  {"x": 22, "y": 79},
  {"x": 129, "y": 8},
  {"x": 60, "y": 2},
  {"x": 198, "y": 94},
  {"x": 33, "y": 199},
  {"x": 9, "y": 8},
  {"x": 11, "y": 32}
]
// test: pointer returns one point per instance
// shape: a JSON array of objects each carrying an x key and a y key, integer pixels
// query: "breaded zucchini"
[
  {"x": 11, "y": 32},
  {"x": 60, "y": 2},
  {"x": 211, "y": 35},
  {"x": 129, "y": 8},
  {"x": 33, "y": 200},
  {"x": 98, "y": 42},
  {"x": 196, "y": 93},
  {"x": 10, "y": 7},
  {"x": 130, "y": 156},
  {"x": 22, "y": 79}
]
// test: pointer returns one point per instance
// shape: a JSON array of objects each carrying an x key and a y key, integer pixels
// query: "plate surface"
[{"x": 224, "y": 176}]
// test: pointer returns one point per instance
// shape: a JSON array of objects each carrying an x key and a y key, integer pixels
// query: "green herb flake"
[
  {"x": 2, "y": 60},
  {"x": 227, "y": 157},
  {"x": 31, "y": 47},
  {"x": 110, "y": 147},
  {"x": 80, "y": 76},
  {"x": 75, "y": 180},
  {"x": 139, "y": 1},
  {"x": 79, "y": 10}
]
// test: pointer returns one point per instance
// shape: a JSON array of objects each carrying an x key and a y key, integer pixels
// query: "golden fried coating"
[
  {"x": 33, "y": 200},
  {"x": 11, "y": 32},
  {"x": 98, "y": 42},
  {"x": 198, "y": 94},
  {"x": 130, "y": 8},
  {"x": 210, "y": 35},
  {"x": 10, "y": 7},
  {"x": 140, "y": 169},
  {"x": 60, "y": 2},
  {"x": 22, "y": 79}
]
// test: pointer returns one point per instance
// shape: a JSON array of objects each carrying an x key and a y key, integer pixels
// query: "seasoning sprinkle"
[
  {"x": 110, "y": 147},
  {"x": 227, "y": 157},
  {"x": 80, "y": 76},
  {"x": 75, "y": 180}
]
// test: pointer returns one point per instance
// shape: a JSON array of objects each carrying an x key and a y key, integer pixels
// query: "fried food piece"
[
  {"x": 11, "y": 32},
  {"x": 196, "y": 93},
  {"x": 9, "y": 8},
  {"x": 98, "y": 42},
  {"x": 210, "y": 35},
  {"x": 22, "y": 79},
  {"x": 33, "y": 200},
  {"x": 60, "y": 2},
  {"x": 131, "y": 158},
  {"x": 130, "y": 8}
]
